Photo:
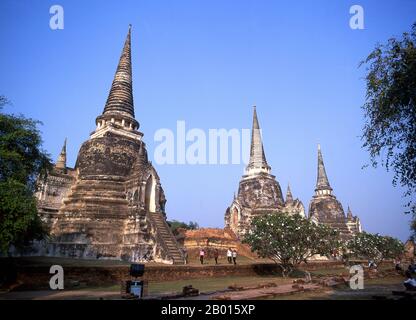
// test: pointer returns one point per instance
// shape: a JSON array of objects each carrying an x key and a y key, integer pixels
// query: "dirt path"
[
  {"x": 266, "y": 292},
  {"x": 61, "y": 295},
  {"x": 285, "y": 289},
  {"x": 258, "y": 293},
  {"x": 383, "y": 286}
]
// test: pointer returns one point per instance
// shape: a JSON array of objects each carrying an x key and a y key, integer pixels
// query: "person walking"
[
  {"x": 229, "y": 255},
  {"x": 185, "y": 255},
  {"x": 201, "y": 255},
  {"x": 397, "y": 265},
  {"x": 235, "y": 256},
  {"x": 216, "y": 254}
]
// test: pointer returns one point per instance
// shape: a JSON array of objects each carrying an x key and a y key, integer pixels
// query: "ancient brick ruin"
[
  {"x": 259, "y": 192},
  {"x": 212, "y": 239},
  {"x": 326, "y": 209},
  {"x": 112, "y": 204}
]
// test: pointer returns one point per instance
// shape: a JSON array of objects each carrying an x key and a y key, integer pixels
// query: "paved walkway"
[
  {"x": 285, "y": 289},
  {"x": 266, "y": 292},
  {"x": 250, "y": 294},
  {"x": 60, "y": 295}
]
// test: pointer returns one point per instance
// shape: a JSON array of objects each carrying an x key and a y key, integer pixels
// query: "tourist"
[
  {"x": 372, "y": 265},
  {"x": 308, "y": 277},
  {"x": 185, "y": 255},
  {"x": 216, "y": 254},
  {"x": 412, "y": 267},
  {"x": 397, "y": 265},
  {"x": 229, "y": 255},
  {"x": 201, "y": 255},
  {"x": 410, "y": 283},
  {"x": 235, "y": 256}
]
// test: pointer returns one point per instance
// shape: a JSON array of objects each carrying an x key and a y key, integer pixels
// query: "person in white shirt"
[
  {"x": 201, "y": 255},
  {"x": 229, "y": 255},
  {"x": 235, "y": 256}
]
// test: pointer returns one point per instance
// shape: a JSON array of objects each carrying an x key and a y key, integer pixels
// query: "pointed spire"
[
  {"x": 120, "y": 99},
  {"x": 322, "y": 182},
  {"x": 61, "y": 162},
  {"x": 349, "y": 214},
  {"x": 141, "y": 159},
  {"x": 257, "y": 156},
  {"x": 289, "y": 197},
  {"x": 141, "y": 149},
  {"x": 143, "y": 153}
]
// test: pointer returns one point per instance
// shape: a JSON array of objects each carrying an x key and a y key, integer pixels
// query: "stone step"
[
  {"x": 169, "y": 242},
  {"x": 94, "y": 200},
  {"x": 98, "y": 193},
  {"x": 88, "y": 189},
  {"x": 116, "y": 184},
  {"x": 167, "y": 237},
  {"x": 163, "y": 228}
]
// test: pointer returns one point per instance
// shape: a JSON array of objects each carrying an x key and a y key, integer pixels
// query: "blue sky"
[{"x": 208, "y": 62}]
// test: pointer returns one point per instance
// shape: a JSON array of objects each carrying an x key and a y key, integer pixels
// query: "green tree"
[
  {"x": 22, "y": 161},
  {"x": 290, "y": 240},
  {"x": 175, "y": 225},
  {"x": 389, "y": 133},
  {"x": 375, "y": 247},
  {"x": 193, "y": 225}
]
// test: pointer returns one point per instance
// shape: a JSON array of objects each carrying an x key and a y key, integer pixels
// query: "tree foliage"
[
  {"x": 389, "y": 133},
  {"x": 21, "y": 156},
  {"x": 19, "y": 221},
  {"x": 375, "y": 247},
  {"x": 175, "y": 225},
  {"x": 21, "y": 161},
  {"x": 290, "y": 240}
]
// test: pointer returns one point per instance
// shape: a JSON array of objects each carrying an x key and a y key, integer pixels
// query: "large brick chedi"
[
  {"x": 259, "y": 192},
  {"x": 324, "y": 207},
  {"x": 111, "y": 205}
]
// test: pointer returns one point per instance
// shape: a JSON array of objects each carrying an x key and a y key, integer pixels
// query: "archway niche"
[
  {"x": 150, "y": 201},
  {"x": 234, "y": 218}
]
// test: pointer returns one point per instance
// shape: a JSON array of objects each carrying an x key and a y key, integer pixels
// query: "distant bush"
[
  {"x": 175, "y": 225},
  {"x": 375, "y": 247}
]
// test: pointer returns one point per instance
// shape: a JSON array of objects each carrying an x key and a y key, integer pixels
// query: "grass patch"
[
  {"x": 331, "y": 271},
  {"x": 212, "y": 284},
  {"x": 204, "y": 285},
  {"x": 241, "y": 260}
]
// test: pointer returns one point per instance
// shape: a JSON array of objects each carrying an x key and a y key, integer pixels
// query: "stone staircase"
[{"x": 166, "y": 236}]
